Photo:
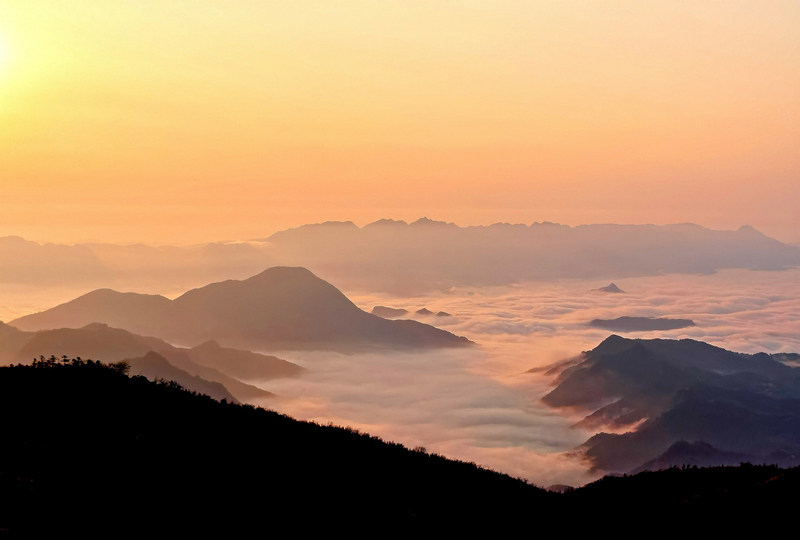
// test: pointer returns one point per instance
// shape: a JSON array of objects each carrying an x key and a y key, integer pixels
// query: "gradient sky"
[{"x": 186, "y": 121}]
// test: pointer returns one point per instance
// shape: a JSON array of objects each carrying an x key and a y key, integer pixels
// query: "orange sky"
[{"x": 187, "y": 121}]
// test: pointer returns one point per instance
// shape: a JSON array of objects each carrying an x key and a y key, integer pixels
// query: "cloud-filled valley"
[{"x": 479, "y": 403}]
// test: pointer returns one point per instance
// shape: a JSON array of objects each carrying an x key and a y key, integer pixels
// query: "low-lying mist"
[{"x": 480, "y": 405}]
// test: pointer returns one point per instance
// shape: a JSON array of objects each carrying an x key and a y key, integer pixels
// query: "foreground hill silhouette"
[
  {"x": 89, "y": 451},
  {"x": 280, "y": 308},
  {"x": 87, "y": 446},
  {"x": 683, "y": 392}
]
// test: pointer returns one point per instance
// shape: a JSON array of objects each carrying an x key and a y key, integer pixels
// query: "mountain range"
[
  {"x": 399, "y": 256},
  {"x": 280, "y": 308},
  {"x": 396, "y": 256},
  {"x": 208, "y": 368},
  {"x": 665, "y": 392}
]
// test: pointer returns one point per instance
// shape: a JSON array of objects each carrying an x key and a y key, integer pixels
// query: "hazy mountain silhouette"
[
  {"x": 280, "y": 308},
  {"x": 22, "y": 261},
  {"x": 683, "y": 391},
  {"x": 153, "y": 366},
  {"x": 399, "y": 257},
  {"x": 11, "y": 341},
  {"x": 389, "y": 312},
  {"x": 141, "y": 314},
  {"x": 641, "y": 324},
  {"x": 108, "y": 265},
  {"x": 101, "y": 342},
  {"x": 181, "y": 358},
  {"x": 611, "y": 288},
  {"x": 243, "y": 365},
  {"x": 86, "y": 448}
]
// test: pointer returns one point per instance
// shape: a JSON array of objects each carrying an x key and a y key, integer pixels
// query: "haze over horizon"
[
  {"x": 559, "y": 240},
  {"x": 187, "y": 122}
]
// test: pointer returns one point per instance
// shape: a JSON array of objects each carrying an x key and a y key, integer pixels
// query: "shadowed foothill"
[
  {"x": 86, "y": 448},
  {"x": 681, "y": 402}
]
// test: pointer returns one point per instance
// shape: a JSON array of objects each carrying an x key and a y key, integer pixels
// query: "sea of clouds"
[{"x": 480, "y": 404}]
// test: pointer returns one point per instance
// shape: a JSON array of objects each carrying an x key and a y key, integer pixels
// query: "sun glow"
[{"x": 3, "y": 54}]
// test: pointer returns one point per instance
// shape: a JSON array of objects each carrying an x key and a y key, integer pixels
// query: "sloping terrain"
[
  {"x": 281, "y": 308},
  {"x": 88, "y": 451},
  {"x": 682, "y": 391},
  {"x": 100, "y": 342}
]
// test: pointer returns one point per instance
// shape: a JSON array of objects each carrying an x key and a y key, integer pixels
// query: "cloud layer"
[{"x": 480, "y": 405}]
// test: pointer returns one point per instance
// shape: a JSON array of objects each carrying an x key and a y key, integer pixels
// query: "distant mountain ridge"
[
  {"x": 396, "y": 256},
  {"x": 425, "y": 254},
  {"x": 280, "y": 308},
  {"x": 641, "y": 324}
]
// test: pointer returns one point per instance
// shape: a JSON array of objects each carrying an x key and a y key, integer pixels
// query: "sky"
[{"x": 190, "y": 121}]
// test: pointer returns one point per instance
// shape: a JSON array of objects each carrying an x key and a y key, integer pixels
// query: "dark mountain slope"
[
  {"x": 652, "y": 369},
  {"x": 153, "y": 366},
  {"x": 93, "y": 451},
  {"x": 698, "y": 454},
  {"x": 89, "y": 452},
  {"x": 281, "y": 308},
  {"x": 711, "y": 500},
  {"x": 686, "y": 391},
  {"x": 101, "y": 342},
  {"x": 736, "y": 420}
]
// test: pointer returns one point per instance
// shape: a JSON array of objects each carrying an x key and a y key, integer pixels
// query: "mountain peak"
[
  {"x": 387, "y": 223},
  {"x": 425, "y": 222},
  {"x": 154, "y": 357},
  {"x": 211, "y": 344},
  {"x": 283, "y": 307},
  {"x": 284, "y": 272},
  {"x": 749, "y": 229},
  {"x": 96, "y": 327},
  {"x": 610, "y": 288}
]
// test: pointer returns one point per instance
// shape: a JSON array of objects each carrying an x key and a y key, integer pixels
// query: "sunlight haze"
[{"x": 193, "y": 121}]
